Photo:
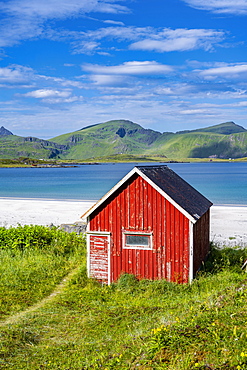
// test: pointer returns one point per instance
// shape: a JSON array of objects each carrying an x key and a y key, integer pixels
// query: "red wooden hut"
[{"x": 152, "y": 224}]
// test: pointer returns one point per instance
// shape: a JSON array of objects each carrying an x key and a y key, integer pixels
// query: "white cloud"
[
  {"x": 220, "y": 6},
  {"x": 45, "y": 93},
  {"x": 179, "y": 40},
  {"x": 146, "y": 39},
  {"x": 225, "y": 71},
  {"x": 134, "y": 68},
  {"x": 51, "y": 9},
  {"x": 15, "y": 74},
  {"x": 160, "y": 114},
  {"x": 196, "y": 111},
  {"x": 109, "y": 80},
  {"x": 117, "y": 23},
  {"x": 25, "y": 19},
  {"x": 52, "y": 96},
  {"x": 115, "y": 76},
  {"x": 60, "y": 81}
]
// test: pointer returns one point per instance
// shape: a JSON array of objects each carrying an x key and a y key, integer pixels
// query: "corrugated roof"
[{"x": 187, "y": 197}]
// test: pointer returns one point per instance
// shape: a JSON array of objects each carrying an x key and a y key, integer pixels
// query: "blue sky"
[{"x": 169, "y": 65}]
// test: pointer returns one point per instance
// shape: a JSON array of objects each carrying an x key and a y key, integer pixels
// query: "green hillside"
[
  {"x": 226, "y": 140},
  {"x": 124, "y": 138},
  {"x": 12, "y": 146},
  {"x": 113, "y": 137},
  {"x": 202, "y": 145},
  {"x": 226, "y": 128}
]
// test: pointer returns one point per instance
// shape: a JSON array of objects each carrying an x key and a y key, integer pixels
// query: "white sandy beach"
[
  {"x": 14, "y": 211},
  {"x": 228, "y": 224}
]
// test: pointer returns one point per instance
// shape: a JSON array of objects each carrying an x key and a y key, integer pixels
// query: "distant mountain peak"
[
  {"x": 5, "y": 132},
  {"x": 226, "y": 128}
]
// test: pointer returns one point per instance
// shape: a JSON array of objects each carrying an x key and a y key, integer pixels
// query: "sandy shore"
[
  {"x": 228, "y": 224},
  {"x": 15, "y": 211}
]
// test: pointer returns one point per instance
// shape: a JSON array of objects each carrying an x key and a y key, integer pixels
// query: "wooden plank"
[{"x": 99, "y": 257}]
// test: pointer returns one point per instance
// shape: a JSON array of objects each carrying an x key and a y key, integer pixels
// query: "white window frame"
[{"x": 139, "y": 233}]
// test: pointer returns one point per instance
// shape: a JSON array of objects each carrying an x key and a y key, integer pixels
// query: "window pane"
[{"x": 138, "y": 240}]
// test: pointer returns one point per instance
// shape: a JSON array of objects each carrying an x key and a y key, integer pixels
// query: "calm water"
[{"x": 222, "y": 183}]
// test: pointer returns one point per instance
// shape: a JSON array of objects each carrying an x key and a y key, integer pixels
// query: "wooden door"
[{"x": 98, "y": 257}]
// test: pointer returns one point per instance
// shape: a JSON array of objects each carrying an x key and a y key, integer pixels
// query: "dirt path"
[{"x": 59, "y": 288}]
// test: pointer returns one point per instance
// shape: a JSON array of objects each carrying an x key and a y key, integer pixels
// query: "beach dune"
[{"x": 228, "y": 224}]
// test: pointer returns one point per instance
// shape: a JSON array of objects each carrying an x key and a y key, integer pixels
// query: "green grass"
[
  {"x": 34, "y": 259},
  {"x": 132, "y": 324}
]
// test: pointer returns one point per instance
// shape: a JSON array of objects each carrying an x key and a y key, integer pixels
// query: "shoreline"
[{"x": 228, "y": 223}]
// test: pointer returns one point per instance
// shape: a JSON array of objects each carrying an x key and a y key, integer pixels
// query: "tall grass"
[
  {"x": 33, "y": 261},
  {"x": 135, "y": 324}
]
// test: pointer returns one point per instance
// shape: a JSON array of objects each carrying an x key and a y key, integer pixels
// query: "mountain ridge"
[{"x": 117, "y": 137}]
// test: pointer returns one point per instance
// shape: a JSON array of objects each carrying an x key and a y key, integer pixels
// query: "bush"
[
  {"x": 227, "y": 257},
  {"x": 41, "y": 238}
]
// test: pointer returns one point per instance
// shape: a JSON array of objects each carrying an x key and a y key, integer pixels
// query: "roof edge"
[
  {"x": 137, "y": 170},
  {"x": 166, "y": 196},
  {"x": 109, "y": 193}
]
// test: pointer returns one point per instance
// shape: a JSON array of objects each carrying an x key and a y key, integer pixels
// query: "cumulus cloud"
[
  {"x": 15, "y": 74},
  {"x": 220, "y": 6}
]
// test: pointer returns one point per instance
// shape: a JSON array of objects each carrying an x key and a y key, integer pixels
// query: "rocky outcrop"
[
  {"x": 5, "y": 132},
  {"x": 77, "y": 227}
]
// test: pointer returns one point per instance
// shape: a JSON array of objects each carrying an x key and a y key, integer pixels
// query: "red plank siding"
[{"x": 137, "y": 206}]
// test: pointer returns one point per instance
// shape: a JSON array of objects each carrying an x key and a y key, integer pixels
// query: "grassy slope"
[
  {"x": 133, "y": 325},
  {"x": 15, "y": 146},
  {"x": 224, "y": 141},
  {"x": 103, "y": 140},
  {"x": 147, "y": 325},
  {"x": 226, "y": 128},
  {"x": 201, "y": 145}
]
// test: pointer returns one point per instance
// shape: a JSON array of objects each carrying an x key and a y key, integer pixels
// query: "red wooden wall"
[
  {"x": 201, "y": 235},
  {"x": 137, "y": 206}
]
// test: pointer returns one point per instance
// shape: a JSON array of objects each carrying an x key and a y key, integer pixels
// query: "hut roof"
[{"x": 176, "y": 190}]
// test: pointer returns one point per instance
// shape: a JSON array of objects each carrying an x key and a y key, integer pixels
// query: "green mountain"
[
  {"x": 12, "y": 146},
  {"x": 122, "y": 137},
  {"x": 226, "y": 128},
  {"x": 104, "y": 139},
  {"x": 125, "y": 137}
]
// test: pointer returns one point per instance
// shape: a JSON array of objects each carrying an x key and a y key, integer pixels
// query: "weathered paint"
[
  {"x": 138, "y": 206},
  {"x": 99, "y": 252}
]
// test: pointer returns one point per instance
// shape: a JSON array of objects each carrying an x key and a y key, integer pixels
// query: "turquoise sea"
[{"x": 222, "y": 183}]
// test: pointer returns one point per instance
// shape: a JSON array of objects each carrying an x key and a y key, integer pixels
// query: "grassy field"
[{"x": 128, "y": 325}]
